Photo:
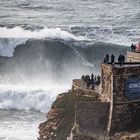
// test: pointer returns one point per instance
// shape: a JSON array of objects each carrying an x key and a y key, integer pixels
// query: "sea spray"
[{"x": 28, "y": 98}]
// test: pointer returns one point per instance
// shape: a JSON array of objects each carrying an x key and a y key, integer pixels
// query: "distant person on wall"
[
  {"x": 123, "y": 59},
  {"x": 107, "y": 58},
  {"x": 92, "y": 78},
  {"x": 119, "y": 59},
  {"x": 112, "y": 59},
  {"x": 138, "y": 46},
  {"x": 132, "y": 47}
]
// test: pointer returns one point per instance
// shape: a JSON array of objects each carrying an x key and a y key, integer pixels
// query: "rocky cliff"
[
  {"x": 63, "y": 124},
  {"x": 60, "y": 118}
]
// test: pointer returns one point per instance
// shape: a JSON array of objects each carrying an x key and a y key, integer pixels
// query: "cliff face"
[{"x": 60, "y": 119}]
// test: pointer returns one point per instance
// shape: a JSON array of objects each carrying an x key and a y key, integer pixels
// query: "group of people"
[
  {"x": 121, "y": 59},
  {"x": 91, "y": 80},
  {"x": 133, "y": 47},
  {"x": 106, "y": 59}
]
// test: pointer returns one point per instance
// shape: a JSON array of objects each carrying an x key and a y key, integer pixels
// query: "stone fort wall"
[{"x": 124, "y": 108}]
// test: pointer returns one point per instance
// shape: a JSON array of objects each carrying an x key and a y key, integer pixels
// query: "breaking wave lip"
[
  {"x": 52, "y": 33},
  {"x": 7, "y": 45},
  {"x": 24, "y": 98},
  {"x": 11, "y": 37}
]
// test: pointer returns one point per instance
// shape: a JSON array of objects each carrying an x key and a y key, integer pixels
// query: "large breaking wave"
[
  {"x": 11, "y": 37},
  {"x": 48, "y": 58}
]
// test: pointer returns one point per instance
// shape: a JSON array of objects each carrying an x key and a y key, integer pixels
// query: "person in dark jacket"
[
  {"x": 112, "y": 59},
  {"x": 132, "y": 47},
  {"x": 123, "y": 58},
  {"x": 92, "y": 78},
  {"x": 107, "y": 58}
]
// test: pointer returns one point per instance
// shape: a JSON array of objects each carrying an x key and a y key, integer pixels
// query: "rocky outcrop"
[{"x": 60, "y": 119}]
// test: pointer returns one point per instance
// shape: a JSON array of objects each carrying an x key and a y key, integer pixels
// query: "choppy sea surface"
[{"x": 45, "y": 44}]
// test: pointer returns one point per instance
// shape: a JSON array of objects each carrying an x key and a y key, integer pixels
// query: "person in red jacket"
[{"x": 138, "y": 46}]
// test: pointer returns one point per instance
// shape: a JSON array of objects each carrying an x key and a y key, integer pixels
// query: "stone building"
[
  {"x": 114, "y": 108},
  {"x": 121, "y": 85},
  {"x": 117, "y": 105}
]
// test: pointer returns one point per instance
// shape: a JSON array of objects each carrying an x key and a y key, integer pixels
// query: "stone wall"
[
  {"x": 133, "y": 56},
  {"x": 113, "y": 80},
  {"x": 106, "y": 80},
  {"x": 124, "y": 109},
  {"x": 92, "y": 118},
  {"x": 125, "y": 117},
  {"x": 120, "y": 74}
]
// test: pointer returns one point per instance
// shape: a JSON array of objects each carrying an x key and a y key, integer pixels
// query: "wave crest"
[{"x": 56, "y": 33}]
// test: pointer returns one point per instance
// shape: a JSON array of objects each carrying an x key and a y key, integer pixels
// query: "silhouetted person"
[
  {"x": 132, "y": 47},
  {"x": 83, "y": 77},
  {"x": 112, "y": 59},
  {"x": 87, "y": 78},
  {"x": 123, "y": 58},
  {"x": 107, "y": 58},
  {"x": 92, "y": 78},
  {"x": 120, "y": 59},
  {"x": 98, "y": 80}
]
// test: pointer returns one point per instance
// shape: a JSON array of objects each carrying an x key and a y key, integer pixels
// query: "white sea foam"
[
  {"x": 25, "y": 98},
  {"x": 18, "y": 32}
]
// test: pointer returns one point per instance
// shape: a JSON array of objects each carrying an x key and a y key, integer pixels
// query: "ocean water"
[{"x": 45, "y": 44}]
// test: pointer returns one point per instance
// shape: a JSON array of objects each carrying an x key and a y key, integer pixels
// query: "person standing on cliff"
[
  {"x": 92, "y": 78},
  {"x": 132, "y": 47},
  {"x": 112, "y": 59},
  {"x": 106, "y": 59},
  {"x": 123, "y": 59}
]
